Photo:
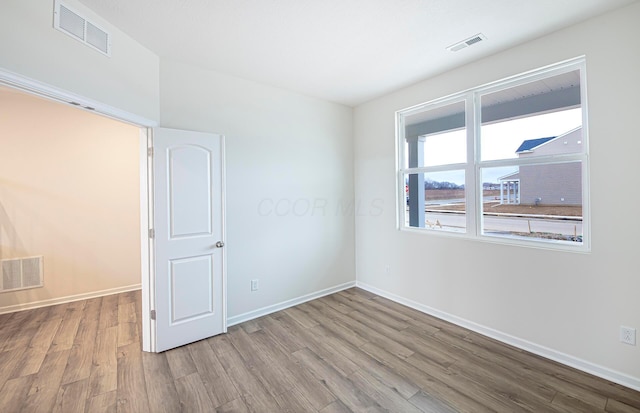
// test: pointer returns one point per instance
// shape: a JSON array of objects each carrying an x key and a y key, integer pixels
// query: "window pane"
[
  {"x": 522, "y": 144},
  {"x": 533, "y": 119},
  {"x": 436, "y": 201},
  {"x": 535, "y": 202},
  {"x": 436, "y": 136}
]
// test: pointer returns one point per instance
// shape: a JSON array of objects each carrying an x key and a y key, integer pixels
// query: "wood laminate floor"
[{"x": 347, "y": 352}]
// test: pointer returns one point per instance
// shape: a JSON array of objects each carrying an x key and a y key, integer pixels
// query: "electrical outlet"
[
  {"x": 254, "y": 285},
  {"x": 628, "y": 335}
]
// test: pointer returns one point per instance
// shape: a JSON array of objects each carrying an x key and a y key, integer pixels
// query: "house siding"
[{"x": 554, "y": 184}]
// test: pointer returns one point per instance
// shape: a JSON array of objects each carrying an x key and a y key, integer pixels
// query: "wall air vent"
[
  {"x": 467, "y": 42},
  {"x": 21, "y": 273},
  {"x": 75, "y": 25}
]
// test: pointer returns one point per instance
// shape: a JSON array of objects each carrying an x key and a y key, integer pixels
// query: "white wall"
[
  {"x": 284, "y": 150},
  {"x": 289, "y": 171},
  {"x": 31, "y": 47},
  {"x": 571, "y": 303},
  {"x": 69, "y": 190}
]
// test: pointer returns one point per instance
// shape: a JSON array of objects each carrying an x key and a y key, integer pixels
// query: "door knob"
[{"x": 219, "y": 244}]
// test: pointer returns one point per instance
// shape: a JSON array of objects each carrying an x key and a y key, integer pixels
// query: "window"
[{"x": 504, "y": 162}]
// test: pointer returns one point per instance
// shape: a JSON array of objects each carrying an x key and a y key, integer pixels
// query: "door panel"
[
  {"x": 190, "y": 188},
  {"x": 187, "y": 304},
  {"x": 188, "y": 222}
]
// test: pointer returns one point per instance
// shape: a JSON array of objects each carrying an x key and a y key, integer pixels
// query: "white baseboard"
[
  {"x": 67, "y": 299},
  {"x": 566, "y": 359},
  {"x": 286, "y": 304}
]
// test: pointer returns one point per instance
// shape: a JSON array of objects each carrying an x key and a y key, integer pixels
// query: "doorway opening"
[{"x": 79, "y": 198}]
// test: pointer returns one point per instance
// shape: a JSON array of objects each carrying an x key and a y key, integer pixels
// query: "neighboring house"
[
  {"x": 548, "y": 184},
  {"x": 510, "y": 188}
]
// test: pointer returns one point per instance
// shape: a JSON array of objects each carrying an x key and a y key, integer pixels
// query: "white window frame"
[{"x": 474, "y": 163}]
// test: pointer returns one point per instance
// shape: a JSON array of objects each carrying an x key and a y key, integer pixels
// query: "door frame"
[{"x": 44, "y": 90}]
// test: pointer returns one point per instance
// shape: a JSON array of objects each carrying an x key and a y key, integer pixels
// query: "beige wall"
[
  {"x": 568, "y": 305},
  {"x": 69, "y": 190}
]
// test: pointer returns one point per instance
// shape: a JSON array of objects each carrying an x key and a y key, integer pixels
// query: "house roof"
[
  {"x": 531, "y": 144},
  {"x": 513, "y": 175}
]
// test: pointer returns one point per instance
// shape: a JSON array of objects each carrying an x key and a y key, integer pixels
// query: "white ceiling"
[{"x": 346, "y": 51}]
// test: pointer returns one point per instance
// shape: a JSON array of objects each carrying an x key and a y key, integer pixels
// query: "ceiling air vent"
[
  {"x": 467, "y": 42},
  {"x": 75, "y": 25}
]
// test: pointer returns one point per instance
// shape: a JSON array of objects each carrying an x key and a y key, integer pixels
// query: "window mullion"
[
  {"x": 550, "y": 159},
  {"x": 439, "y": 168},
  {"x": 471, "y": 172}
]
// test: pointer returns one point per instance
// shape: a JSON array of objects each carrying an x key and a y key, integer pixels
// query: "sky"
[{"x": 497, "y": 141}]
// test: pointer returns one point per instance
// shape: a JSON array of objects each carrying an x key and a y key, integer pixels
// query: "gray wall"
[{"x": 551, "y": 183}]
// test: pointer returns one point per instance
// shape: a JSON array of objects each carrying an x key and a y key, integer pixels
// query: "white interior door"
[{"x": 189, "y": 282}]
